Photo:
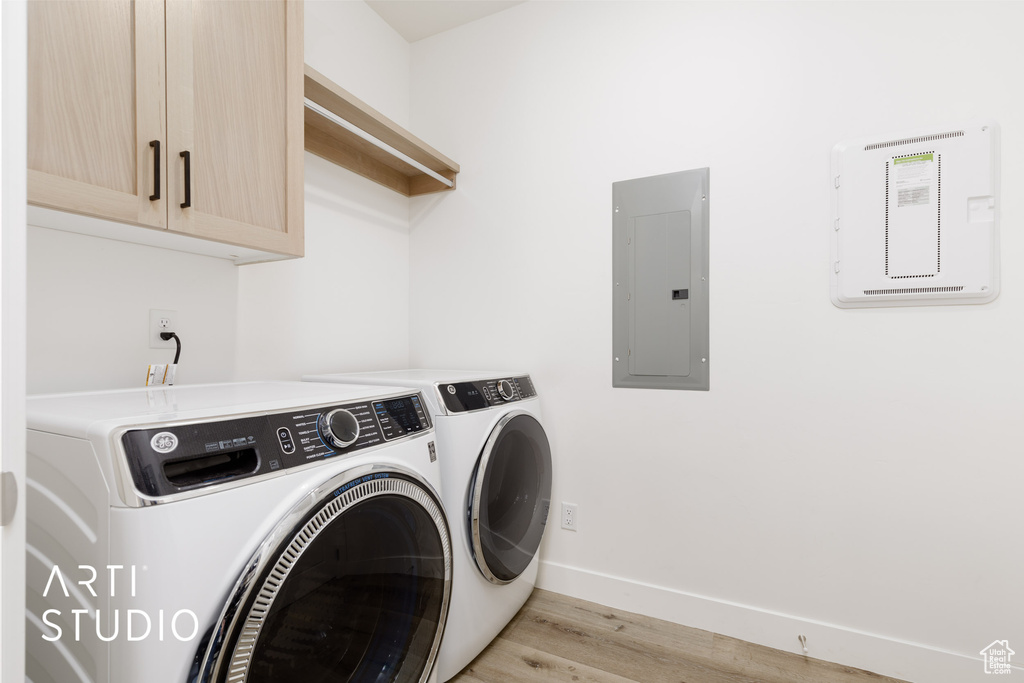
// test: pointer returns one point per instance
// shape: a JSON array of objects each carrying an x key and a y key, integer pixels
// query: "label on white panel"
[
  {"x": 915, "y": 179},
  {"x": 912, "y": 216}
]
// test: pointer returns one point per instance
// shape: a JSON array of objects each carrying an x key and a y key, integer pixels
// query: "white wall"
[
  {"x": 88, "y": 312},
  {"x": 350, "y": 44},
  {"x": 345, "y": 305},
  {"x": 852, "y": 475}
]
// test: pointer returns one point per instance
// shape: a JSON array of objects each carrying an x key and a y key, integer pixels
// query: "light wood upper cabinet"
[
  {"x": 95, "y": 101},
  {"x": 234, "y": 83},
  {"x": 219, "y": 85}
]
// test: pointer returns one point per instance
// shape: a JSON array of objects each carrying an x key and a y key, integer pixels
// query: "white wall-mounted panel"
[{"x": 915, "y": 217}]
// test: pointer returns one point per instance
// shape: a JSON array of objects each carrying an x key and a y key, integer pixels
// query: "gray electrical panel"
[{"x": 660, "y": 332}]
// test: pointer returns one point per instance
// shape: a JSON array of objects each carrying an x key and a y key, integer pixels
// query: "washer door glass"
[
  {"x": 358, "y": 595},
  {"x": 509, "y": 497}
]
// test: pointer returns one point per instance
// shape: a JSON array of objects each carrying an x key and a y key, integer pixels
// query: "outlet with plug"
[
  {"x": 570, "y": 516},
  {"x": 162, "y": 321}
]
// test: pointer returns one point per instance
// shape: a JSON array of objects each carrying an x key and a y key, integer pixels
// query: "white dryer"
[
  {"x": 248, "y": 532},
  {"x": 496, "y": 486}
]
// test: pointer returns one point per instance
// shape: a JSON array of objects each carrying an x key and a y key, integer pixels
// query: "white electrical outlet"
[
  {"x": 162, "y": 321},
  {"x": 570, "y": 516}
]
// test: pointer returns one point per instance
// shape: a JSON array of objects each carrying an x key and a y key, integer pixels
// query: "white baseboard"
[{"x": 904, "y": 660}]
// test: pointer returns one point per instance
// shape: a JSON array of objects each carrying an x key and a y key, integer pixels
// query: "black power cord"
[{"x": 170, "y": 335}]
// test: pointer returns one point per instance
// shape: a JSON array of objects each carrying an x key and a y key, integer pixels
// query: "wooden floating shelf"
[{"x": 329, "y": 140}]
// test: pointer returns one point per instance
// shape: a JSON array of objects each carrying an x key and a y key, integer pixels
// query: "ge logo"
[
  {"x": 164, "y": 442},
  {"x": 451, "y": 389}
]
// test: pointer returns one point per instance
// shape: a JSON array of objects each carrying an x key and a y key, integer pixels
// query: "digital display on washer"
[{"x": 400, "y": 416}]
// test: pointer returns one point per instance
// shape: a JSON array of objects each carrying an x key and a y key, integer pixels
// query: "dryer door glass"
[
  {"x": 509, "y": 497},
  {"x": 361, "y": 601}
]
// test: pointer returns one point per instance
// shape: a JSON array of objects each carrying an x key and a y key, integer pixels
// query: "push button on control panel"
[{"x": 285, "y": 437}]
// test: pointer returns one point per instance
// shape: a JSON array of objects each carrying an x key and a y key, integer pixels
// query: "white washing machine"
[
  {"x": 496, "y": 486},
  {"x": 249, "y": 532}
]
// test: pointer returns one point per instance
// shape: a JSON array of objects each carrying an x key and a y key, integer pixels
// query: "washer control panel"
[
  {"x": 170, "y": 459},
  {"x": 463, "y": 397}
]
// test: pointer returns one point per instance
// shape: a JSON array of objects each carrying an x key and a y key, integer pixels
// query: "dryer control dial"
[
  {"x": 506, "y": 390},
  {"x": 340, "y": 428}
]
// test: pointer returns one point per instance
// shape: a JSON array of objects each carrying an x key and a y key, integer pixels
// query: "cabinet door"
[
  {"x": 95, "y": 101},
  {"x": 234, "y": 104}
]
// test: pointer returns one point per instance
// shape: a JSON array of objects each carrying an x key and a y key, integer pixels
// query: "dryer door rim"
[
  {"x": 212, "y": 656},
  {"x": 476, "y": 494}
]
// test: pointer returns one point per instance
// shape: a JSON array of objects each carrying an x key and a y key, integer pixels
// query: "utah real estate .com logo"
[{"x": 997, "y": 657}]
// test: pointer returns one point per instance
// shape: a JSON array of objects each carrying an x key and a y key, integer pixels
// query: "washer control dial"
[
  {"x": 340, "y": 428},
  {"x": 506, "y": 390}
]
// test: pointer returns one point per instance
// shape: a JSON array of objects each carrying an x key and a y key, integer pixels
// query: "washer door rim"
[
  {"x": 212, "y": 657},
  {"x": 476, "y": 495}
]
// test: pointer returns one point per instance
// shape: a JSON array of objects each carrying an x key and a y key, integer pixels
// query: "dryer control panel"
[
  {"x": 463, "y": 397},
  {"x": 180, "y": 457}
]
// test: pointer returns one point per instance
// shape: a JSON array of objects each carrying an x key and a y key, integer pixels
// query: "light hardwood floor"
[{"x": 555, "y": 638}]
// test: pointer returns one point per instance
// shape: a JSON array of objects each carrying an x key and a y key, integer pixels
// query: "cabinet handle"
[
  {"x": 155, "y": 144},
  {"x": 188, "y": 180}
]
